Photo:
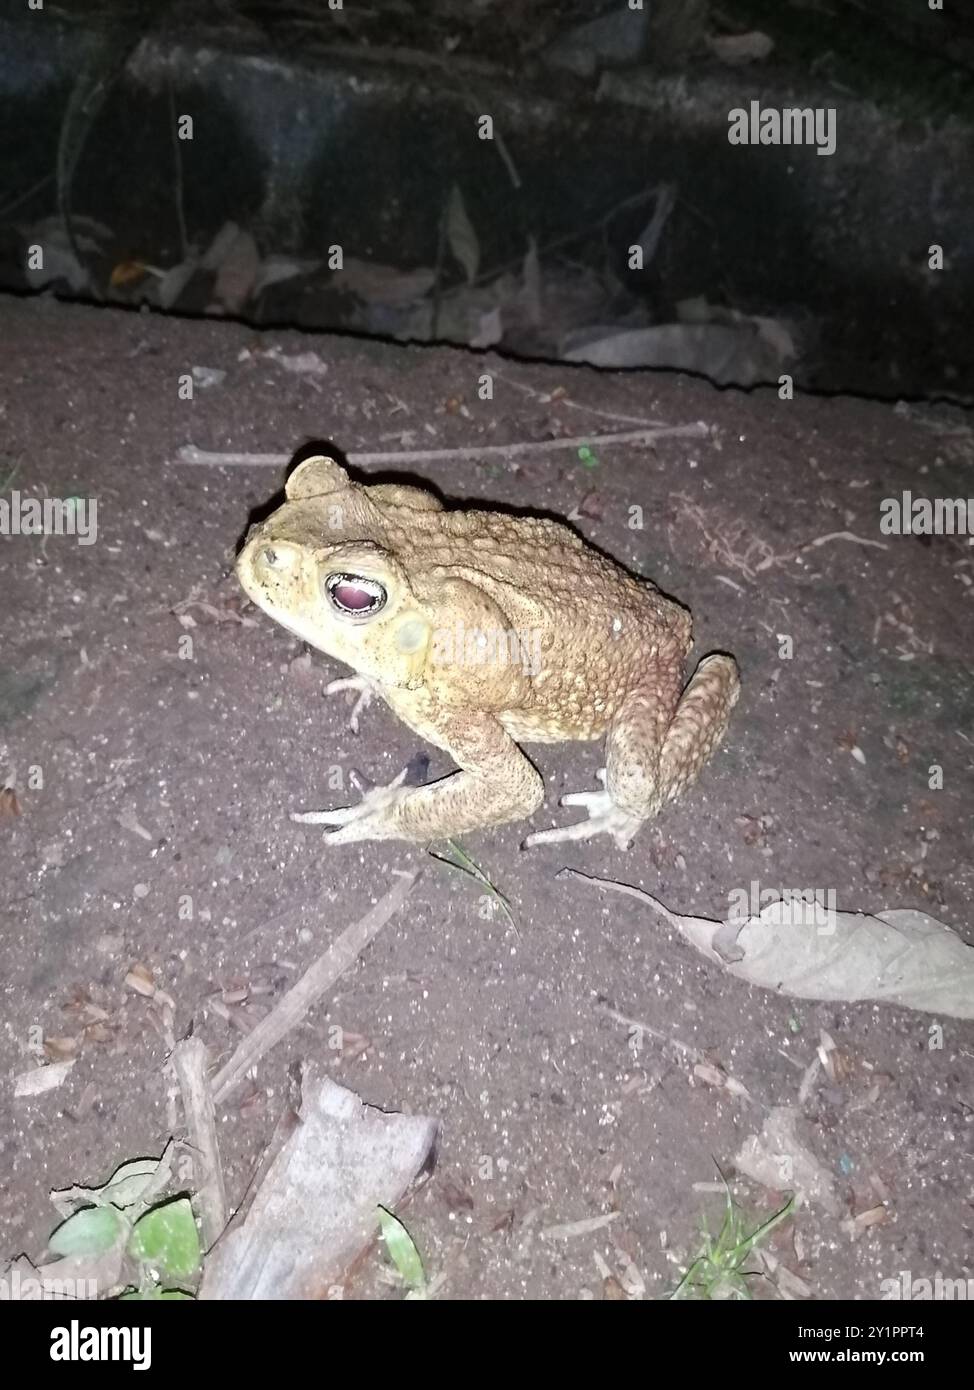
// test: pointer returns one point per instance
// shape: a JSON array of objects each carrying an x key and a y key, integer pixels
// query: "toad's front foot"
[
  {"x": 363, "y": 687},
  {"x": 605, "y": 818},
  {"x": 374, "y": 818}
]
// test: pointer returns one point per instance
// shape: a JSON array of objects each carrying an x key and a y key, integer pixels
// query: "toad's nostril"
[{"x": 273, "y": 557}]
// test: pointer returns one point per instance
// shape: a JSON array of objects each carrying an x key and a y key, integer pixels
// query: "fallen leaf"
[
  {"x": 140, "y": 979},
  {"x": 402, "y": 1250},
  {"x": 172, "y": 283},
  {"x": 854, "y": 1226},
  {"x": 800, "y": 947},
  {"x": 274, "y": 269},
  {"x": 490, "y": 329},
  {"x": 384, "y": 284},
  {"x": 461, "y": 237},
  {"x": 738, "y": 49},
  {"x": 127, "y": 273},
  {"x": 235, "y": 258},
  {"x": 301, "y": 363},
  {"x": 40, "y": 1079},
  {"x": 777, "y": 1159}
]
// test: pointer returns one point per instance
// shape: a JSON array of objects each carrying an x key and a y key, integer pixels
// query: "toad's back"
[
  {"x": 588, "y": 632},
  {"x": 533, "y": 568}
]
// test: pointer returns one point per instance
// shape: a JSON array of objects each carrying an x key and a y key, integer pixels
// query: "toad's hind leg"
[
  {"x": 653, "y": 753},
  {"x": 642, "y": 781}
]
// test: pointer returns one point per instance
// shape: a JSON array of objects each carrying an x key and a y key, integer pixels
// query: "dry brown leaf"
[
  {"x": 737, "y": 49},
  {"x": 384, "y": 284},
  {"x": 237, "y": 272},
  {"x": 140, "y": 979},
  {"x": 127, "y": 273},
  {"x": 855, "y": 1226}
]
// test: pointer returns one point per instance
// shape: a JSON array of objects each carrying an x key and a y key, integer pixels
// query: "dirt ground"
[{"x": 165, "y": 777}]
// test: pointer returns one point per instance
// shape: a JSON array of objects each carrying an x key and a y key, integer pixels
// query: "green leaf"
[
  {"x": 89, "y": 1232},
  {"x": 155, "y": 1292},
  {"x": 402, "y": 1250},
  {"x": 466, "y": 865},
  {"x": 167, "y": 1239},
  {"x": 587, "y": 458},
  {"x": 11, "y": 475}
]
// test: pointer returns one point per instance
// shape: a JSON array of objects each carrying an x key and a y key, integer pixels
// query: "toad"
[{"x": 483, "y": 630}]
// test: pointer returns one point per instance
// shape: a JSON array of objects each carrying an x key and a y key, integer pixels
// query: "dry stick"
[
  {"x": 201, "y": 458},
  {"x": 813, "y": 544},
  {"x": 547, "y": 399},
  {"x": 693, "y": 1054},
  {"x": 721, "y": 1076},
  {"x": 7, "y": 208},
  {"x": 586, "y": 1226},
  {"x": 319, "y": 977},
  {"x": 438, "y": 275},
  {"x": 190, "y": 1063},
  {"x": 178, "y": 170}
]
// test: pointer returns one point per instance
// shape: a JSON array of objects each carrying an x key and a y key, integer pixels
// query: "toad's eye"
[{"x": 355, "y": 595}]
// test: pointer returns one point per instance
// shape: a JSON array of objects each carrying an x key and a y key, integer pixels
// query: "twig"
[
  {"x": 548, "y": 399},
  {"x": 721, "y": 543},
  {"x": 569, "y": 1229},
  {"x": 178, "y": 170},
  {"x": 717, "y": 1076},
  {"x": 692, "y": 1054},
  {"x": 319, "y": 977},
  {"x": 202, "y": 458},
  {"x": 438, "y": 273},
  {"x": 507, "y": 159},
  {"x": 813, "y": 544},
  {"x": 189, "y": 1059},
  {"x": 649, "y": 238},
  {"x": 15, "y": 202}
]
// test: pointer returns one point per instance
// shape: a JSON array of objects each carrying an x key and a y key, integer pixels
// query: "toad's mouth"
[{"x": 354, "y": 596}]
